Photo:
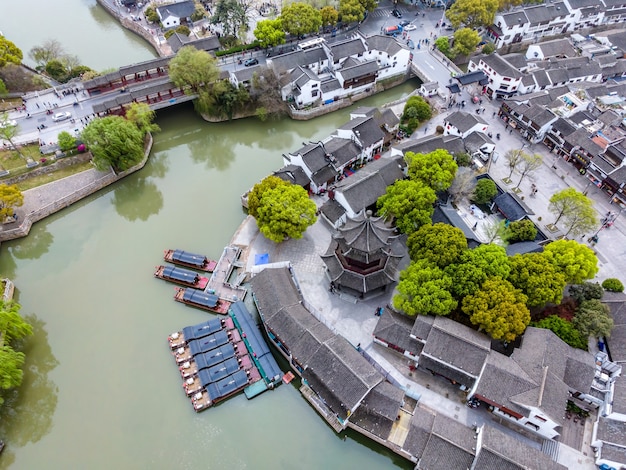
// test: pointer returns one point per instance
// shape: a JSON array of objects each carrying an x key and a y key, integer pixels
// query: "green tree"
[
  {"x": 10, "y": 198},
  {"x": 285, "y": 211},
  {"x": 57, "y": 70},
  {"x": 485, "y": 191},
  {"x": 585, "y": 291},
  {"x": 443, "y": 45},
  {"x": 513, "y": 158},
  {"x": 265, "y": 92},
  {"x": 499, "y": 309},
  {"x": 300, "y": 18},
  {"x": 563, "y": 329},
  {"x": 11, "y": 374},
  {"x": 12, "y": 325},
  {"x": 440, "y": 244},
  {"x": 223, "y": 99},
  {"x": 580, "y": 222},
  {"x": 151, "y": 15},
  {"x": 521, "y": 230},
  {"x": 528, "y": 165},
  {"x": 114, "y": 142},
  {"x": 496, "y": 232},
  {"x": 436, "y": 169},
  {"x": 475, "y": 266},
  {"x": 9, "y": 53},
  {"x": 418, "y": 108},
  {"x": 409, "y": 202},
  {"x": 613, "y": 284},
  {"x": 231, "y": 15},
  {"x": 51, "y": 49},
  {"x": 3, "y": 88},
  {"x": 463, "y": 185},
  {"x": 193, "y": 68},
  {"x": 9, "y": 130},
  {"x": 577, "y": 262},
  {"x": 465, "y": 41},
  {"x": 254, "y": 196},
  {"x": 351, "y": 11},
  {"x": 537, "y": 278},
  {"x": 593, "y": 318},
  {"x": 370, "y": 5},
  {"x": 566, "y": 202},
  {"x": 269, "y": 33},
  {"x": 66, "y": 141},
  {"x": 329, "y": 15},
  {"x": 12, "y": 328},
  {"x": 472, "y": 13},
  {"x": 424, "y": 289},
  {"x": 142, "y": 116}
]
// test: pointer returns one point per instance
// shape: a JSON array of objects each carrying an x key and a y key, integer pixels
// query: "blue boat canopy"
[
  {"x": 200, "y": 297},
  {"x": 181, "y": 274},
  {"x": 227, "y": 386},
  {"x": 202, "y": 329},
  {"x": 189, "y": 258},
  {"x": 214, "y": 356},
  {"x": 208, "y": 343},
  {"x": 218, "y": 372}
]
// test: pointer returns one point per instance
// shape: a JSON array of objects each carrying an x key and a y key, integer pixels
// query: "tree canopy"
[
  {"x": 409, "y": 202},
  {"x": 563, "y": 329},
  {"x": 300, "y": 18},
  {"x": 577, "y": 262},
  {"x": 51, "y": 49},
  {"x": 521, "y": 230},
  {"x": 12, "y": 328},
  {"x": 424, "y": 289},
  {"x": 114, "y": 142},
  {"x": 66, "y": 141},
  {"x": 8, "y": 131},
  {"x": 285, "y": 211},
  {"x": 513, "y": 158},
  {"x": 231, "y": 15},
  {"x": 593, "y": 319},
  {"x": 529, "y": 163},
  {"x": 568, "y": 201},
  {"x": 142, "y": 116},
  {"x": 254, "y": 196},
  {"x": 270, "y": 33},
  {"x": 537, "y": 278},
  {"x": 440, "y": 244},
  {"x": 485, "y": 190},
  {"x": 9, "y": 53},
  {"x": 193, "y": 68},
  {"x": 436, "y": 169},
  {"x": 472, "y": 13},
  {"x": 10, "y": 198},
  {"x": 329, "y": 15},
  {"x": 465, "y": 41},
  {"x": 463, "y": 185},
  {"x": 585, "y": 291},
  {"x": 499, "y": 309},
  {"x": 475, "y": 266},
  {"x": 351, "y": 11},
  {"x": 584, "y": 220}
]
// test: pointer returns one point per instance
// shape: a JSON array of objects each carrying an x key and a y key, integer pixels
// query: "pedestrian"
[
  {"x": 510, "y": 131},
  {"x": 38, "y": 107},
  {"x": 475, "y": 226},
  {"x": 425, "y": 129},
  {"x": 494, "y": 114}
]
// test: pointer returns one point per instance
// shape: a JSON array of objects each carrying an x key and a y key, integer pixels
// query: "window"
[
  {"x": 543, "y": 420},
  {"x": 314, "y": 92}
]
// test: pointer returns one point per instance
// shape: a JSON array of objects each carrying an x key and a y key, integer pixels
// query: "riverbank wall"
[{"x": 64, "y": 195}]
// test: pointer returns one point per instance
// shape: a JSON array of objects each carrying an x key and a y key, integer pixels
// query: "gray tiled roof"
[
  {"x": 293, "y": 174},
  {"x": 612, "y": 431},
  {"x": 499, "y": 64},
  {"x": 557, "y": 47},
  {"x": 360, "y": 70},
  {"x": 448, "y": 215},
  {"x": 451, "y": 445},
  {"x": 330, "y": 85},
  {"x": 420, "y": 427},
  {"x": 385, "y": 400},
  {"x": 422, "y": 326},
  {"x": 344, "y": 150},
  {"x": 452, "y": 143},
  {"x": 270, "y": 300},
  {"x": 180, "y": 9},
  {"x": 546, "y": 12},
  {"x": 332, "y": 210},
  {"x": 395, "y": 328},
  {"x": 463, "y": 121},
  {"x": 516, "y": 59},
  {"x": 366, "y": 129},
  {"x": 511, "y": 209},
  {"x": 563, "y": 126},
  {"x": 383, "y": 43},
  {"x": 347, "y": 48},
  {"x": 290, "y": 324}
]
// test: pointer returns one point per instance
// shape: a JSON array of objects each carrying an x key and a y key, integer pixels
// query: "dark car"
[
  {"x": 404, "y": 23},
  {"x": 396, "y": 13},
  {"x": 250, "y": 62}
]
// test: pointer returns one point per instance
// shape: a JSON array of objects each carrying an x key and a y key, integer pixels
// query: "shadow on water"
[
  {"x": 26, "y": 415},
  {"x": 35, "y": 245}
]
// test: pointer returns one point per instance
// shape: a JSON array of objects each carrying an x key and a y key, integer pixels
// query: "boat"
[
  {"x": 181, "y": 276},
  {"x": 201, "y": 346},
  {"x": 200, "y": 299},
  {"x": 221, "y": 390},
  {"x": 191, "y": 260},
  {"x": 180, "y": 338},
  {"x": 206, "y": 360},
  {"x": 205, "y": 376}
]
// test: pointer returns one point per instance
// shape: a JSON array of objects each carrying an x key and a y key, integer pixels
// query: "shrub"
[
  {"x": 586, "y": 291},
  {"x": 489, "y": 48},
  {"x": 521, "y": 230},
  {"x": 463, "y": 159},
  {"x": 613, "y": 285},
  {"x": 151, "y": 15},
  {"x": 485, "y": 191},
  {"x": 439, "y": 129},
  {"x": 564, "y": 330}
]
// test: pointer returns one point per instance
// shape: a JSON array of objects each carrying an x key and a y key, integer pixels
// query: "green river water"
[{"x": 101, "y": 389}]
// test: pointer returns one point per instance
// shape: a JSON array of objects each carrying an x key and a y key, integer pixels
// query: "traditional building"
[{"x": 362, "y": 259}]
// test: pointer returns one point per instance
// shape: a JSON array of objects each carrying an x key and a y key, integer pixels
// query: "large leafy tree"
[
  {"x": 300, "y": 18},
  {"x": 12, "y": 325},
  {"x": 463, "y": 185},
  {"x": 193, "y": 68},
  {"x": 499, "y": 309},
  {"x": 11, "y": 363},
  {"x": 142, "y": 116},
  {"x": 465, "y": 41},
  {"x": 223, "y": 99},
  {"x": 563, "y": 329},
  {"x": 285, "y": 211},
  {"x": 417, "y": 107},
  {"x": 51, "y": 49},
  {"x": 568, "y": 201},
  {"x": 521, "y": 230},
  {"x": 475, "y": 266},
  {"x": 409, "y": 202},
  {"x": 424, "y": 289},
  {"x": 529, "y": 163},
  {"x": 12, "y": 328},
  {"x": 66, "y": 141},
  {"x": 580, "y": 222},
  {"x": 114, "y": 142},
  {"x": 351, "y": 11},
  {"x": 472, "y": 13},
  {"x": 10, "y": 198},
  {"x": 436, "y": 169},
  {"x": 585, "y": 291},
  {"x": 231, "y": 14},
  {"x": 577, "y": 262},
  {"x": 593, "y": 319},
  {"x": 270, "y": 33},
  {"x": 254, "y": 196},
  {"x": 441, "y": 244},
  {"x": 485, "y": 190},
  {"x": 9, "y": 53},
  {"x": 537, "y": 278},
  {"x": 513, "y": 159},
  {"x": 329, "y": 15}
]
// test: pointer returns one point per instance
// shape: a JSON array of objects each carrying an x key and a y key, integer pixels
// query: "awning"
[{"x": 454, "y": 88}]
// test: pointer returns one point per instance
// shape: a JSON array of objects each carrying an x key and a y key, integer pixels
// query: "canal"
[{"x": 100, "y": 386}]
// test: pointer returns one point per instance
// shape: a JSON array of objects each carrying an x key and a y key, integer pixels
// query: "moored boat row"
[
  {"x": 181, "y": 276},
  {"x": 191, "y": 260},
  {"x": 201, "y": 299}
]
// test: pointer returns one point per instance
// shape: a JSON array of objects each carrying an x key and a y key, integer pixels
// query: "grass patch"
[
  {"x": 9, "y": 104},
  {"x": 11, "y": 160},
  {"x": 40, "y": 180}
]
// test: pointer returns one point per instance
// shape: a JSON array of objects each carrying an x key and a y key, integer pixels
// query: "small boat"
[
  {"x": 191, "y": 260},
  {"x": 181, "y": 276},
  {"x": 189, "y": 333},
  {"x": 200, "y": 299}
]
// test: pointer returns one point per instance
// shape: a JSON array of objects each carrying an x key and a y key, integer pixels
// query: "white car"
[
  {"x": 61, "y": 116},
  {"x": 410, "y": 27},
  {"x": 8, "y": 123}
]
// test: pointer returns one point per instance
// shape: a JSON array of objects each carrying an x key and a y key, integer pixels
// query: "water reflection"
[
  {"x": 213, "y": 147},
  {"x": 36, "y": 244},
  {"x": 27, "y": 413}
]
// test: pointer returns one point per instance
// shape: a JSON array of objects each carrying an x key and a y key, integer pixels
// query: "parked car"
[
  {"x": 396, "y": 13},
  {"x": 410, "y": 27},
  {"x": 404, "y": 23},
  {"x": 250, "y": 62},
  {"x": 61, "y": 116},
  {"x": 8, "y": 123}
]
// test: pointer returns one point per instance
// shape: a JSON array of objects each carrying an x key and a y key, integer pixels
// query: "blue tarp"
[
  {"x": 189, "y": 258},
  {"x": 180, "y": 274},
  {"x": 218, "y": 372},
  {"x": 202, "y": 329},
  {"x": 214, "y": 357},
  {"x": 262, "y": 258},
  {"x": 200, "y": 297},
  {"x": 258, "y": 346},
  {"x": 227, "y": 386},
  {"x": 199, "y": 346}
]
